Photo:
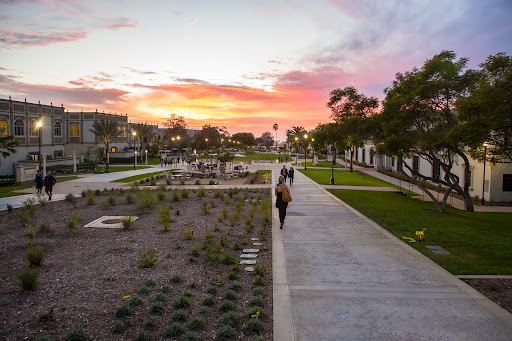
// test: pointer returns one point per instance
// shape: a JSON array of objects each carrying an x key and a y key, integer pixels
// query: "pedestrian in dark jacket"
[
  {"x": 49, "y": 181},
  {"x": 283, "y": 196},
  {"x": 284, "y": 173},
  {"x": 39, "y": 181},
  {"x": 291, "y": 175}
]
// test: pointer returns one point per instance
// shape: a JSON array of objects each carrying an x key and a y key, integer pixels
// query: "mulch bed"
[
  {"x": 497, "y": 290},
  {"x": 86, "y": 274}
]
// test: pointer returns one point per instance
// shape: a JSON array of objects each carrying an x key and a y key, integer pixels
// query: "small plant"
[
  {"x": 70, "y": 198},
  {"x": 97, "y": 192},
  {"x": 135, "y": 301},
  {"x": 168, "y": 182},
  {"x": 190, "y": 336},
  {"x": 41, "y": 200},
  {"x": 253, "y": 325},
  {"x": 150, "y": 282},
  {"x": 143, "y": 290},
  {"x": 211, "y": 289},
  {"x": 212, "y": 204},
  {"x": 236, "y": 286},
  {"x": 185, "y": 193},
  {"x": 205, "y": 208},
  {"x": 218, "y": 194},
  {"x": 130, "y": 198},
  {"x": 217, "y": 228},
  {"x": 230, "y": 295},
  {"x": 175, "y": 329},
  {"x": 28, "y": 203},
  {"x": 157, "y": 307},
  {"x": 216, "y": 281},
  {"x": 45, "y": 227},
  {"x": 230, "y": 318},
  {"x": 258, "y": 291},
  {"x": 263, "y": 234},
  {"x": 236, "y": 246},
  {"x": 204, "y": 310},
  {"x": 141, "y": 336},
  {"x": 127, "y": 222},
  {"x": 211, "y": 182},
  {"x": 147, "y": 200},
  {"x": 228, "y": 259},
  {"x": 23, "y": 217},
  {"x": 259, "y": 281},
  {"x": 165, "y": 288},
  {"x": 181, "y": 302},
  {"x": 254, "y": 312},
  {"x": 160, "y": 296},
  {"x": 193, "y": 285},
  {"x": 150, "y": 321},
  {"x": 182, "y": 182},
  {"x": 10, "y": 209},
  {"x": 188, "y": 234},
  {"x": 179, "y": 315},
  {"x": 234, "y": 218},
  {"x": 176, "y": 194},
  {"x": 227, "y": 200},
  {"x": 226, "y": 305},
  {"x": 208, "y": 300},
  {"x": 124, "y": 311},
  {"x": 256, "y": 301},
  {"x": 35, "y": 255},
  {"x": 146, "y": 259},
  {"x": 188, "y": 293},
  {"x": 232, "y": 275},
  {"x": 110, "y": 200},
  {"x": 30, "y": 233},
  {"x": 196, "y": 323},
  {"x": 72, "y": 222},
  {"x": 226, "y": 332},
  {"x": 164, "y": 218},
  {"x": 77, "y": 335},
  {"x": 48, "y": 314},
  {"x": 176, "y": 278},
  {"x": 197, "y": 183},
  {"x": 118, "y": 327}
]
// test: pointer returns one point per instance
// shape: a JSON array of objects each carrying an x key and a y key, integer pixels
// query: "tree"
[
  {"x": 486, "y": 114},
  {"x": 8, "y": 145},
  {"x": 352, "y": 110},
  {"x": 106, "y": 130},
  {"x": 175, "y": 125},
  {"x": 267, "y": 139},
  {"x": 144, "y": 134},
  {"x": 295, "y": 132},
  {"x": 419, "y": 119},
  {"x": 212, "y": 133},
  {"x": 247, "y": 139},
  {"x": 330, "y": 134}
]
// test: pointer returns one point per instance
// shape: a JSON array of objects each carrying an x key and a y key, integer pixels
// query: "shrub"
[
  {"x": 127, "y": 221},
  {"x": 10, "y": 209},
  {"x": 227, "y": 200},
  {"x": 30, "y": 233},
  {"x": 143, "y": 290},
  {"x": 230, "y": 295},
  {"x": 72, "y": 222},
  {"x": 175, "y": 329},
  {"x": 164, "y": 218},
  {"x": 234, "y": 218},
  {"x": 111, "y": 200},
  {"x": 211, "y": 182},
  {"x": 23, "y": 217},
  {"x": 230, "y": 318},
  {"x": 124, "y": 311},
  {"x": 118, "y": 327},
  {"x": 130, "y": 198},
  {"x": 35, "y": 255},
  {"x": 228, "y": 259},
  {"x": 179, "y": 315},
  {"x": 157, "y": 307},
  {"x": 150, "y": 321},
  {"x": 226, "y": 305},
  {"x": 42, "y": 200},
  {"x": 135, "y": 301},
  {"x": 185, "y": 193},
  {"x": 226, "y": 332},
  {"x": 236, "y": 246},
  {"x": 188, "y": 293},
  {"x": 236, "y": 286},
  {"x": 205, "y": 208},
  {"x": 97, "y": 192},
  {"x": 147, "y": 200},
  {"x": 160, "y": 296},
  {"x": 254, "y": 312},
  {"x": 48, "y": 314},
  {"x": 218, "y": 194},
  {"x": 188, "y": 234},
  {"x": 256, "y": 301},
  {"x": 176, "y": 194},
  {"x": 77, "y": 335},
  {"x": 176, "y": 278},
  {"x": 258, "y": 291},
  {"x": 259, "y": 281},
  {"x": 141, "y": 336},
  {"x": 196, "y": 323},
  {"x": 150, "y": 282},
  {"x": 45, "y": 227},
  {"x": 29, "y": 203},
  {"x": 203, "y": 310},
  {"x": 208, "y": 300},
  {"x": 232, "y": 275},
  {"x": 260, "y": 270},
  {"x": 70, "y": 198},
  {"x": 181, "y": 302},
  {"x": 28, "y": 278},
  {"x": 168, "y": 182},
  {"x": 146, "y": 259},
  {"x": 165, "y": 288},
  {"x": 193, "y": 285},
  {"x": 182, "y": 182},
  {"x": 190, "y": 336},
  {"x": 217, "y": 281},
  {"x": 211, "y": 289},
  {"x": 197, "y": 183},
  {"x": 253, "y": 325}
]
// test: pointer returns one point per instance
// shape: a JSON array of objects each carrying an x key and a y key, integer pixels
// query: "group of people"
[
  {"x": 288, "y": 174},
  {"x": 169, "y": 160},
  {"x": 48, "y": 182}
]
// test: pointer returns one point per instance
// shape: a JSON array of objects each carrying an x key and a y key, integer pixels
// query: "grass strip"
[
  {"x": 479, "y": 242},
  {"x": 8, "y": 191},
  {"x": 141, "y": 176},
  {"x": 116, "y": 169},
  {"x": 263, "y": 171},
  {"x": 321, "y": 163}
]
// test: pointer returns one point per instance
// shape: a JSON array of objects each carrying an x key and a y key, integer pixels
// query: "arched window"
[
  {"x": 32, "y": 128},
  {"x": 57, "y": 129},
  {"x": 75, "y": 130},
  {"x": 19, "y": 127},
  {"x": 4, "y": 126},
  {"x": 124, "y": 131}
]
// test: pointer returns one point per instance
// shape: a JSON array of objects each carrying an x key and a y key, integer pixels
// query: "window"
[
  {"x": 57, "y": 129},
  {"x": 371, "y": 159},
  {"x": 33, "y": 156},
  {"x": 124, "y": 131},
  {"x": 4, "y": 126},
  {"x": 436, "y": 170},
  {"x": 363, "y": 152},
  {"x": 415, "y": 164},
  {"x": 33, "y": 129},
  {"x": 507, "y": 182},
  {"x": 470, "y": 177},
  {"x": 114, "y": 149},
  {"x": 74, "y": 130},
  {"x": 19, "y": 127},
  {"x": 392, "y": 162},
  {"x": 357, "y": 154},
  {"x": 58, "y": 154}
]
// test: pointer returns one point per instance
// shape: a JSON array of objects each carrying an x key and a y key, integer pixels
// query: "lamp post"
[
  {"x": 483, "y": 180},
  {"x": 305, "y": 151},
  {"x": 276, "y": 126},
  {"x": 207, "y": 148},
  {"x": 39, "y": 125},
  {"x": 134, "y": 151},
  {"x": 146, "y": 156},
  {"x": 313, "y": 148}
]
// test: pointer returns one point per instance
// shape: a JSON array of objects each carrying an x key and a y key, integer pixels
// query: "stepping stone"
[
  {"x": 433, "y": 247},
  {"x": 247, "y": 261},
  {"x": 251, "y": 250},
  {"x": 441, "y": 252},
  {"x": 257, "y": 244},
  {"x": 248, "y": 255},
  {"x": 249, "y": 269},
  {"x": 253, "y": 239}
]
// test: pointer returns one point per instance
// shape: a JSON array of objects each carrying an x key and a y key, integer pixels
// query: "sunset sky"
[{"x": 243, "y": 64}]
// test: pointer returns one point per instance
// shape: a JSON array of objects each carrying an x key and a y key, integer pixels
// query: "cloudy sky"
[{"x": 243, "y": 64}]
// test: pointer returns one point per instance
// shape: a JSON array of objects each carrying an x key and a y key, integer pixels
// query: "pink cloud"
[{"x": 192, "y": 21}]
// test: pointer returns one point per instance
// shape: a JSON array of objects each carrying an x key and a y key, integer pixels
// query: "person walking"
[
  {"x": 39, "y": 181},
  {"x": 291, "y": 174},
  {"x": 283, "y": 197},
  {"x": 49, "y": 181},
  {"x": 284, "y": 173}
]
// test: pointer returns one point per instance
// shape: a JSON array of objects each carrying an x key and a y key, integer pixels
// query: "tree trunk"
[
  {"x": 440, "y": 207},
  {"x": 468, "y": 202},
  {"x": 351, "y": 159},
  {"x": 107, "y": 157}
]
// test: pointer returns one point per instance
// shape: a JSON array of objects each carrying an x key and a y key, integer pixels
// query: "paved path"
[{"x": 339, "y": 276}]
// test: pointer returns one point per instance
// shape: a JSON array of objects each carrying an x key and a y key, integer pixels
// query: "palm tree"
[
  {"x": 7, "y": 144},
  {"x": 143, "y": 130},
  {"x": 106, "y": 130}
]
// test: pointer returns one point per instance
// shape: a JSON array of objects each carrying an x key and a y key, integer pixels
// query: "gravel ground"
[
  {"x": 497, "y": 290},
  {"x": 86, "y": 274}
]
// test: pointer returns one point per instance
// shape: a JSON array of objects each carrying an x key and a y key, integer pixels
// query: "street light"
[
  {"x": 276, "y": 126},
  {"x": 483, "y": 180},
  {"x": 146, "y": 156},
  {"x": 39, "y": 125},
  {"x": 134, "y": 151},
  {"x": 305, "y": 151},
  {"x": 297, "y": 150}
]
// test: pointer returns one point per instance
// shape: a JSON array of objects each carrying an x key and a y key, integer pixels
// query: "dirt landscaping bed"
[
  {"x": 92, "y": 279},
  {"x": 497, "y": 290}
]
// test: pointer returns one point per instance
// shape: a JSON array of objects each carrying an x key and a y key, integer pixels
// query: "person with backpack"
[
  {"x": 291, "y": 174},
  {"x": 49, "y": 182},
  {"x": 39, "y": 181},
  {"x": 284, "y": 173},
  {"x": 283, "y": 197}
]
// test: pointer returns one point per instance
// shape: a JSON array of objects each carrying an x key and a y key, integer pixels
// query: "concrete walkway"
[{"x": 339, "y": 276}]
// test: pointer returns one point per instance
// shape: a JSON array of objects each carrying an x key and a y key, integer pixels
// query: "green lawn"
[
  {"x": 115, "y": 169},
  {"x": 479, "y": 242},
  {"x": 142, "y": 176},
  {"x": 151, "y": 161},
  {"x": 321, "y": 163},
  {"x": 9, "y": 190},
  {"x": 254, "y": 156},
  {"x": 342, "y": 177},
  {"x": 263, "y": 171}
]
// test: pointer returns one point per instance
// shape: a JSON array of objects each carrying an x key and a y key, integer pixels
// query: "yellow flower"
[
  {"x": 125, "y": 297},
  {"x": 256, "y": 315}
]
